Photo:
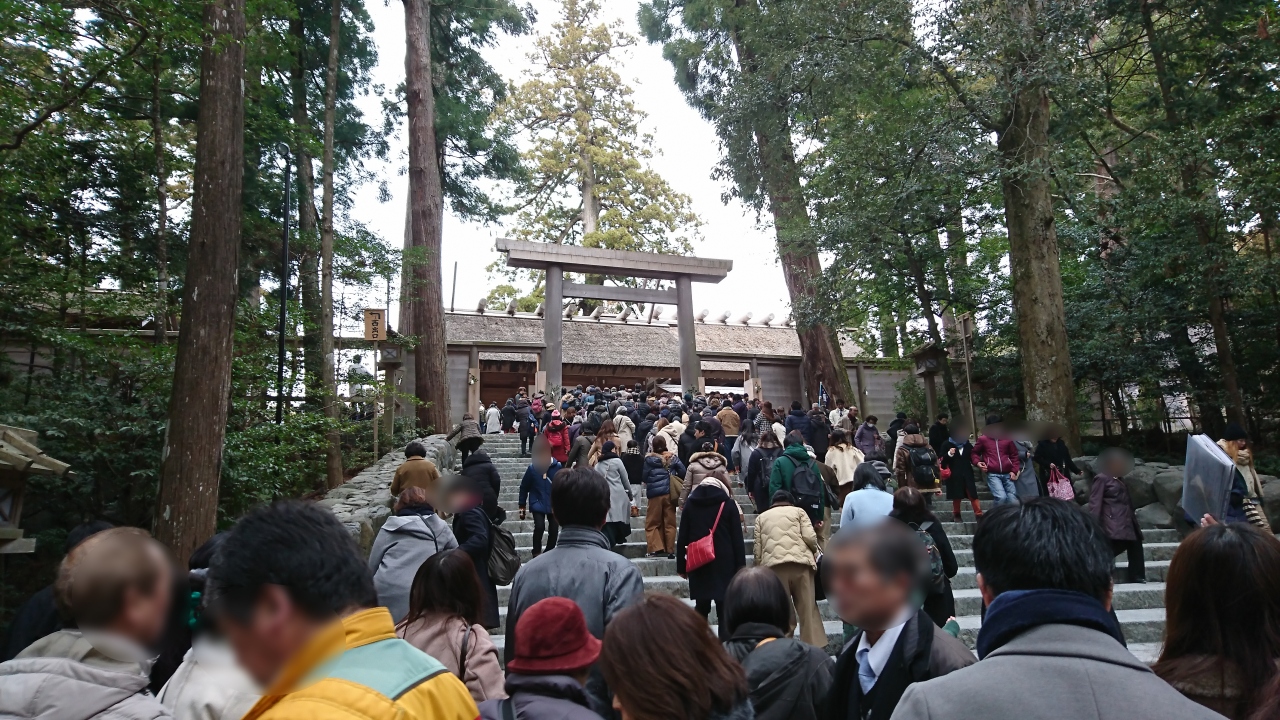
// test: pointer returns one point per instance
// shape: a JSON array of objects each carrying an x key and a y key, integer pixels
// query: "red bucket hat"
[{"x": 552, "y": 637}]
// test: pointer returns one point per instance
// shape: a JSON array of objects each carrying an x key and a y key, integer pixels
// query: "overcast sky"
[{"x": 687, "y": 152}]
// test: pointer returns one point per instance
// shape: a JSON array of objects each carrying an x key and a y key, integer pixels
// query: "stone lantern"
[
  {"x": 929, "y": 360},
  {"x": 19, "y": 460}
]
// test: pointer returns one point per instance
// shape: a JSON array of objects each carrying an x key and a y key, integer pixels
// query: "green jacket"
[{"x": 783, "y": 469}]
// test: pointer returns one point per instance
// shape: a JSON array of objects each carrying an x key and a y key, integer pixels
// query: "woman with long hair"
[
  {"x": 608, "y": 432},
  {"x": 909, "y": 507},
  {"x": 662, "y": 662},
  {"x": 843, "y": 458},
  {"x": 1222, "y": 618},
  {"x": 445, "y": 616}
]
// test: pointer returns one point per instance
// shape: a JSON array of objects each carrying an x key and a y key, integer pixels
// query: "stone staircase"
[{"x": 1140, "y": 607}]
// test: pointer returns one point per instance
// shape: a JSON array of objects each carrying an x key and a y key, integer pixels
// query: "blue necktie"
[{"x": 866, "y": 676}]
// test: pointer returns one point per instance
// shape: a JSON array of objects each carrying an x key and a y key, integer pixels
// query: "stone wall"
[
  {"x": 363, "y": 503},
  {"x": 1156, "y": 491}
]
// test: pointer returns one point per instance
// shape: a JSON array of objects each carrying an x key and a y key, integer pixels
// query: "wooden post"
[{"x": 375, "y": 328}]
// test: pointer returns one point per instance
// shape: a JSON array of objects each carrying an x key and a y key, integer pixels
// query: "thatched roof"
[{"x": 636, "y": 344}]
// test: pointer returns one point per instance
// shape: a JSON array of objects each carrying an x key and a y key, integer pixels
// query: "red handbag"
[{"x": 702, "y": 551}]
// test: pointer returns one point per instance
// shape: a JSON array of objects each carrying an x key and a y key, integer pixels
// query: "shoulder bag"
[{"x": 703, "y": 550}]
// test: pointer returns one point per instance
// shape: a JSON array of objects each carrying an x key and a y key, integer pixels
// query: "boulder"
[
  {"x": 1154, "y": 516},
  {"x": 1168, "y": 487},
  {"x": 1081, "y": 487},
  {"x": 1140, "y": 484},
  {"x": 1271, "y": 499},
  {"x": 363, "y": 504},
  {"x": 1085, "y": 463}
]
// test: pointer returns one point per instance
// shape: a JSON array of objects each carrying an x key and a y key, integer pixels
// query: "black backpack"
[
  {"x": 935, "y": 571},
  {"x": 808, "y": 488},
  {"x": 922, "y": 459}
]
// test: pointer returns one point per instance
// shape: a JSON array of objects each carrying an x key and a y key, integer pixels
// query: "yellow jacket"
[{"x": 358, "y": 668}]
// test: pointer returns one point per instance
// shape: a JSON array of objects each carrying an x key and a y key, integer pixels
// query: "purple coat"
[
  {"x": 1109, "y": 502},
  {"x": 868, "y": 439}
]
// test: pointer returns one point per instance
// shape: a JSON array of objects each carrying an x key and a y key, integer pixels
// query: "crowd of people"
[{"x": 283, "y": 616}]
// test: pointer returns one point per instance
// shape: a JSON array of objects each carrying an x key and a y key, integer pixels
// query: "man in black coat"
[
  {"x": 894, "y": 428},
  {"x": 485, "y": 479},
  {"x": 938, "y": 434},
  {"x": 875, "y": 571}
]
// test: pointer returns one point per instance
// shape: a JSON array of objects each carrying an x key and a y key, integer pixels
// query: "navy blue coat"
[
  {"x": 536, "y": 490},
  {"x": 798, "y": 420},
  {"x": 657, "y": 479}
]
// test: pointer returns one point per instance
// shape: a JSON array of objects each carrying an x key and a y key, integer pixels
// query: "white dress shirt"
[{"x": 878, "y": 654}]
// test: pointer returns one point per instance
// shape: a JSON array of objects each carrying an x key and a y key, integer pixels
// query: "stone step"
[
  {"x": 634, "y": 547},
  {"x": 1151, "y": 551},
  {"x": 967, "y": 577},
  {"x": 1143, "y": 630},
  {"x": 516, "y": 526}
]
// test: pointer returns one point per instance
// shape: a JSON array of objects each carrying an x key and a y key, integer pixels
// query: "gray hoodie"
[
  {"x": 402, "y": 545},
  {"x": 63, "y": 676}
]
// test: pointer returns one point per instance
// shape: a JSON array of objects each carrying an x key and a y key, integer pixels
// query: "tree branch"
[{"x": 75, "y": 96}]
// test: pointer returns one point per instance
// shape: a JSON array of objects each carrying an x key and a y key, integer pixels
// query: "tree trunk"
[
  {"x": 333, "y": 452},
  {"x": 925, "y": 296},
  {"x": 308, "y": 258},
  {"x": 425, "y": 209},
  {"x": 1189, "y": 178},
  {"x": 162, "y": 199},
  {"x": 1203, "y": 388},
  {"x": 590, "y": 203},
  {"x": 191, "y": 463},
  {"x": 821, "y": 359},
  {"x": 888, "y": 333},
  {"x": 1047, "y": 383}
]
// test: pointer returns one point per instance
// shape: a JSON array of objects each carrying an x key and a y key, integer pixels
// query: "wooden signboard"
[{"x": 375, "y": 325}]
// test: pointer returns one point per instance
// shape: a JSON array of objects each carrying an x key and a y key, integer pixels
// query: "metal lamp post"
[{"x": 284, "y": 286}]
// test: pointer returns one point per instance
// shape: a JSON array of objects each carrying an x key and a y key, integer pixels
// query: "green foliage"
[
  {"x": 588, "y": 178},
  {"x": 1160, "y": 154},
  {"x": 909, "y": 398}
]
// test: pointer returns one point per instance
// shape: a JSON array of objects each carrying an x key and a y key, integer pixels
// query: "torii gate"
[{"x": 556, "y": 260}]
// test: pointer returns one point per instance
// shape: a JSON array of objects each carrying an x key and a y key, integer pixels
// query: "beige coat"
[
  {"x": 440, "y": 636},
  {"x": 626, "y": 431},
  {"x": 703, "y": 465},
  {"x": 784, "y": 534},
  {"x": 844, "y": 459},
  {"x": 1244, "y": 463},
  {"x": 672, "y": 431}
]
